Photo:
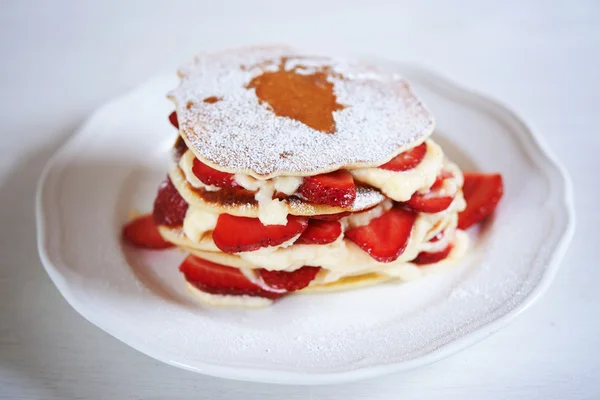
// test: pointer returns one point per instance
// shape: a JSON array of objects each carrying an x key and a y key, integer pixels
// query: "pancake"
[
  {"x": 241, "y": 203},
  {"x": 246, "y": 111}
]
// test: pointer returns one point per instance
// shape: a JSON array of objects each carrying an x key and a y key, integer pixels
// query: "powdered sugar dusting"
[{"x": 381, "y": 115}]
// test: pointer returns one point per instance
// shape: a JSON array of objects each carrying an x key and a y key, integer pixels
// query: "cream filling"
[
  {"x": 344, "y": 258},
  {"x": 197, "y": 222},
  {"x": 401, "y": 185},
  {"x": 342, "y": 255},
  {"x": 270, "y": 211},
  {"x": 405, "y": 271},
  {"x": 355, "y": 220},
  {"x": 452, "y": 185}
]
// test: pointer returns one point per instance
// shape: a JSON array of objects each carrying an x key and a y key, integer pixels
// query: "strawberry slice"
[
  {"x": 320, "y": 232},
  {"x": 482, "y": 193},
  {"x": 428, "y": 203},
  {"x": 236, "y": 234},
  {"x": 335, "y": 188},
  {"x": 289, "y": 281},
  {"x": 173, "y": 119},
  {"x": 385, "y": 238},
  {"x": 169, "y": 206},
  {"x": 211, "y": 176},
  {"x": 425, "y": 257},
  {"x": 142, "y": 232},
  {"x": 407, "y": 160},
  {"x": 220, "y": 279}
]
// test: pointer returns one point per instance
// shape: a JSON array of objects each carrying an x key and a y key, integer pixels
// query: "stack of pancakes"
[{"x": 330, "y": 160}]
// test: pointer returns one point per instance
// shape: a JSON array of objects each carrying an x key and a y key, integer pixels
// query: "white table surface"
[{"x": 61, "y": 60}]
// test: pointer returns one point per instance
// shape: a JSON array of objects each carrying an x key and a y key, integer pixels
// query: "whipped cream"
[
  {"x": 197, "y": 222},
  {"x": 404, "y": 272},
  {"x": 451, "y": 186},
  {"x": 344, "y": 258},
  {"x": 270, "y": 211},
  {"x": 401, "y": 185},
  {"x": 355, "y": 220}
]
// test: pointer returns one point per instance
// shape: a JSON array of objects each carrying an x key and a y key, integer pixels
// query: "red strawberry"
[
  {"x": 220, "y": 279},
  {"x": 320, "y": 232},
  {"x": 385, "y": 238},
  {"x": 211, "y": 176},
  {"x": 173, "y": 119},
  {"x": 142, "y": 232},
  {"x": 428, "y": 203},
  {"x": 169, "y": 206},
  {"x": 335, "y": 188},
  {"x": 289, "y": 281},
  {"x": 331, "y": 217},
  {"x": 407, "y": 160},
  {"x": 236, "y": 234},
  {"x": 430, "y": 258},
  {"x": 482, "y": 193}
]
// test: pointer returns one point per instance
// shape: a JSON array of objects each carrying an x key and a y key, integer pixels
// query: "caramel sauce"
[
  {"x": 211, "y": 99},
  {"x": 307, "y": 98}
]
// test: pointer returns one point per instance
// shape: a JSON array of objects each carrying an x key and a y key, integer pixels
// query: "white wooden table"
[{"x": 60, "y": 60}]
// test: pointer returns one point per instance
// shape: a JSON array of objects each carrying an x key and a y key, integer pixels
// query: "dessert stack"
[{"x": 306, "y": 173}]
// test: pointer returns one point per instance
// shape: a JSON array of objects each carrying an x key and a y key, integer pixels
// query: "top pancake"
[{"x": 271, "y": 111}]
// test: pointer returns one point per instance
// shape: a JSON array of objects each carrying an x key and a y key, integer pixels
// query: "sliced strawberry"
[
  {"x": 320, "y": 232},
  {"x": 236, "y": 234},
  {"x": 407, "y": 160},
  {"x": 173, "y": 119},
  {"x": 430, "y": 258},
  {"x": 428, "y": 203},
  {"x": 331, "y": 217},
  {"x": 335, "y": 188},
  {"x": 169, "y": 206},
  {"x": 482, "y": 193},
  {"x": 385, "y": 238},
  {"x": 220, "y": 279},
  {"x": 142, "y": 232},
  {"x": 289, "y": 281},
  {"x": 211, "y": 176}
]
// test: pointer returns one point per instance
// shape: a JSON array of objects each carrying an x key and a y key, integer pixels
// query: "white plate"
[{"x": 114, "y": 163}]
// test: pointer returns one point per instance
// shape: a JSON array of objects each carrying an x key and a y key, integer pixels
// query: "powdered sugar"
[{"x": 381, "y": 115}]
